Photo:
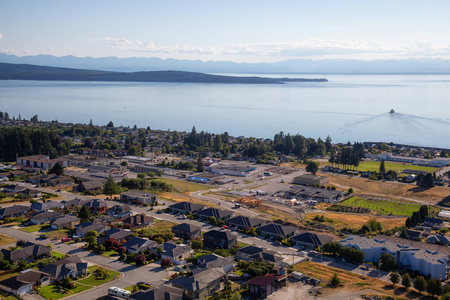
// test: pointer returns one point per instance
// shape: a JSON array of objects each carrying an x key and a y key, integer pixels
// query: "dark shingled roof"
[
  {"x": 186, "y": 227},
  {"x": 65, "y": 266},
  {"x": 278, "y": 229},
  {"x": 265, "y": 280},
  {"x": 28, "y": 250},
  {"x": 200, "y": 280},
  {"x": 20, "y": 280},
  {"x": 312, "y": 238},
  {"x": 214, "y": 212},
  {"x": 244, "y": 221},
  {"x": 12, "y": 210},
  {"x": 187, "y": 206}
]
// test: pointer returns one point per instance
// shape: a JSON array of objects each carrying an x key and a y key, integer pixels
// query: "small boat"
[{"x": 392, "y": 111}]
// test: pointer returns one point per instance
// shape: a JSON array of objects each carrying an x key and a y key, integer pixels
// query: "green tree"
[
  {"x": 404, "y": 232},
  {"x": 84, "y": 214},
  {"x": 92, "y": 233},
  {"x": 111, "y": 187},
  {"x": 332, "y": 247},
  {"x": 92, "y": 241},
  {"x": 395, "y": 278},
  {"x": 374, "y": 225},
  {"x": 236, "y": 296},
  {"x": 200, "y": 167},
  {"x": 196, "y": 244},
  {"x": 420, "y": 283},
  {"x": 313, "y": 167},
  {"x": 387, "y": 262},
  {"x": 57, "y": 169},
  {"x": 382, "y": 167},
  {"x": 110, "y": 124},
  {"x": 406, "y": 280},
  {"x": 434, "y": 287},
  {"x": 446, "y": 296},
  {"x": 335, "y": 281}
]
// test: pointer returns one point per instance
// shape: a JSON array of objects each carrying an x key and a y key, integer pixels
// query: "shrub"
[
  {"x": 140, "y": 260},
  {"x": 165, "y": 263}
]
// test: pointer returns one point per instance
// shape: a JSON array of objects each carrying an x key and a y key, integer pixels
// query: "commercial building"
[{"x": 312, "y": 180}]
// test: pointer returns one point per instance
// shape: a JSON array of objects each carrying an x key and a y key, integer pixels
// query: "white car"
[{"x": 77, "y": 236}]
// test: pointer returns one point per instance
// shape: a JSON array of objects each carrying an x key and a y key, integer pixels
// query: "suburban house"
[
  {"x": 139, "y": 197},
  {"x": 43, "y": 206},
  {"x": 277, "y": 230},
  {"x": 213, "y": 261},
  {"x": 186, "y": 231},
  {"x": 219, "y": 214},
  {"x": 59, "y": 181},
  {"x": 13, "y": 189},
  {"x": 261, "y": 287},
  {"x": 310, "y": 240},
  {"x": 70, "y": 267},
  {"x": 138, "y": 221},
  {"x": 45, "y": 217},
  {"x": 312, "y": 180},
  {"x": 438, "y": 239},
  {"x": 28, "y": 253},
  {"x": 136, "y": 245},
  {"x": 253, "y": 253},
  {"x": 75, "y": 202},
  {"x": 433, "y": 222},
  {"x": 414, "y": 234},
  {"x": 177, "y": 253},
  {"x": 89, "y": 186},
  {"x": 162, "y": 292},
  {"x": 41, "y": 161},
  {"x": 97, "y": 205},
  {"x": 200, "y": 285},
  {"x": 115, "y": 233},
  {"x": 242, "y": 222},
  {"x": 13, "y": 211},
  {"x": 67, "y": 221},
  {"x": 84, "y": 227},
  {"x": 119, "y": 211},
  {"x": 186, "y": 207},
  {"x": 219, "y": 239},
  {"x": 24, "y": 282}
]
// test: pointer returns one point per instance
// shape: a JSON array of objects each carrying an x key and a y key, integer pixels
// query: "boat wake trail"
[{"x": 347, "y": 127}]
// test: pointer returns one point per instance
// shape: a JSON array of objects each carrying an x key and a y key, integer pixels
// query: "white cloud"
[
  {"x": 302, "y": 48},
  {"x": 1, "y": 36}
]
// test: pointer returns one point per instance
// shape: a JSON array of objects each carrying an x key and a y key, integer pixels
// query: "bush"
[
  {"x": 335, "y": 281},
  {"x": 166, "y": 263},
  {"x": 140, "y": 260},
  {"x": 196, "y": 244}
]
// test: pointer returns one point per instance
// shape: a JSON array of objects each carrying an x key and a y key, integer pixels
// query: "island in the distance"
[{"x": 34, "y": 72}]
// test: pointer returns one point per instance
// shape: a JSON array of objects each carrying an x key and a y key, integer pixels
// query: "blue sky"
[{"x": 241, "y": 31}]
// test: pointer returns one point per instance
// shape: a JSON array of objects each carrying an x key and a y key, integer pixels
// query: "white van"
[{"x": 118, "y": 292}]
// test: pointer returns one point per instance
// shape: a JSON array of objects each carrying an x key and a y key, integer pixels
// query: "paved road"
[{"x": 130, "y": 274}]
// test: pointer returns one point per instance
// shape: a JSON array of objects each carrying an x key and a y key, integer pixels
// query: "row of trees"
[
  {"x": 417, "y": 217},
  {"x": 432, "y": 286}
]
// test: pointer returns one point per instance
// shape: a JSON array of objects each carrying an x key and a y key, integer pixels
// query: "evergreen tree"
[
  {"x": 111, "y": 187},
  {"x": 57, "y": 169},
  {"x": 84, "y": 214},
  {"x": 420, "y": 283},
  {"x": 395, "y": 278},
  {"x": 335, "y": 281},
  {"x": 200, "y": 167},
  {"x": 406, "y": 280},
  {"x": 382, "y": 167},
  {"x": 110, "y": 124},
  {"x": 313, "y": 167}
]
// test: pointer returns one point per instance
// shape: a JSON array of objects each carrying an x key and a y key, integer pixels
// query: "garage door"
[{"x": 25, "y": 290}]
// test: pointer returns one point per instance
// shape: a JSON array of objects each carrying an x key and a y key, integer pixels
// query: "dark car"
[{"x": 43, "y": 236}]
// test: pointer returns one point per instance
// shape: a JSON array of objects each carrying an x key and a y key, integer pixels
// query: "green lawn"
[
  {"x": 34, "y": 228},
  {"x": 6, "y": 296},
  {"x": 385, "y": 207},
  {"x": 111, "y": 253},
  {"x": 201, "y": 252},
  {"x": 57, "y": 254},
  {"x": 60, "y": 233},
  {"x": 374, "y": 166},
  {"x": 91, "y": 279},
  {"x": 183, "y": 185},
  {"x": 51, "y": 291}
]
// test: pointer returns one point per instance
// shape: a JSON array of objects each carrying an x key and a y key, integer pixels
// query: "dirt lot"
[
  {"x": 341, "y": 220},
  {"x": 393, "y": 190},
  {"x": 353, "y": 284}
]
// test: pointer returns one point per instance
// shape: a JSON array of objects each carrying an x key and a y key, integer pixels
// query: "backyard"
[
  {"x": 184, "y": 186},
  {"x": 158, "y": 228},
  {"x": 384, "y": 207},
  {"x": 34, "y": 228}
]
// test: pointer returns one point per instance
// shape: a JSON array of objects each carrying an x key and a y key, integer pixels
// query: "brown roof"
[{"x": 266, "y": 279}]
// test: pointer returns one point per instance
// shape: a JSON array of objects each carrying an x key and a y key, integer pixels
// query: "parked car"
[
  {"x": 66, "y": 239},
  {"x": 77, "y": 236},
  {"x": 43, "y": 236},
  {"x": 225, "y": 226}
]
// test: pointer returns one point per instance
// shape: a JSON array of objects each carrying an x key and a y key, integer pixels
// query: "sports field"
[
  {"x": 384, "y": 207},
  {"x": 374, "y": 166}
]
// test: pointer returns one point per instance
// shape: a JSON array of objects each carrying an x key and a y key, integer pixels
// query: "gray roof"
[
  {"x": 186, "y": 227},
  {"x": 117, "y": 233},
  {"x": 16, "y": 282},
  {"x": 187, "y": 206},
  {"x": 365, "y": 243},
  {"x": 174, "y": 250},
  {"x": 312, "y": 238},
  {"x": 245, "y": 221},
  {"x": 12, "y": 210},
  {"x": 277, "y": 229},
  {"x": 137, "y": 243},
  {"x": 220, "y": 234},
  {"x": 200, "y": 280},
  {"x": 46, "y": 215},
  {"x": 257, "y": 253},
  {"x": 28, "y": 250},
  {"x": 214, "y": 212},
  {"x": 65, "y": 220},
  {"x": 46, "y": 205},
  {"x": 65, "y": 266}
]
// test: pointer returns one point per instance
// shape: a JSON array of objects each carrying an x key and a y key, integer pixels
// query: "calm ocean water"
[{"x": 348, "y": 107}]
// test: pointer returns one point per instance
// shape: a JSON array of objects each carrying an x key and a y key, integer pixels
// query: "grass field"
[
  {"x": 384, "y": 207},
  {"x": 6, "y": 240},
  {"x": 111, "y": 253},
  {"x": 34, "y": 228},
  {"x": 60, "y": 233},
  {"x": 159, "y": 227},
  {"x": 340, "y": 221},
  {"x": 389, "y": 189},
  {"x": 92, "y": 281},
  {"x": 57, "y": 254},
  {"x": 374, "y": 166},
  {"x": 184, "y": 186}
]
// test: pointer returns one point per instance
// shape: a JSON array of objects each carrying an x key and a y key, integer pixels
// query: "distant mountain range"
[
  {"x": 33, "y": 72},
  {"x": 294, "y": 66}
]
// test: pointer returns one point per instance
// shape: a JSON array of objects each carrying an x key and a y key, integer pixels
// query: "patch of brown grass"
[
  {"x": 353, "y": 281},
  {"x": 389, "y": 189},
  {"x": 6, "y": 240},
  {"x": 341, "y": 220}
]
